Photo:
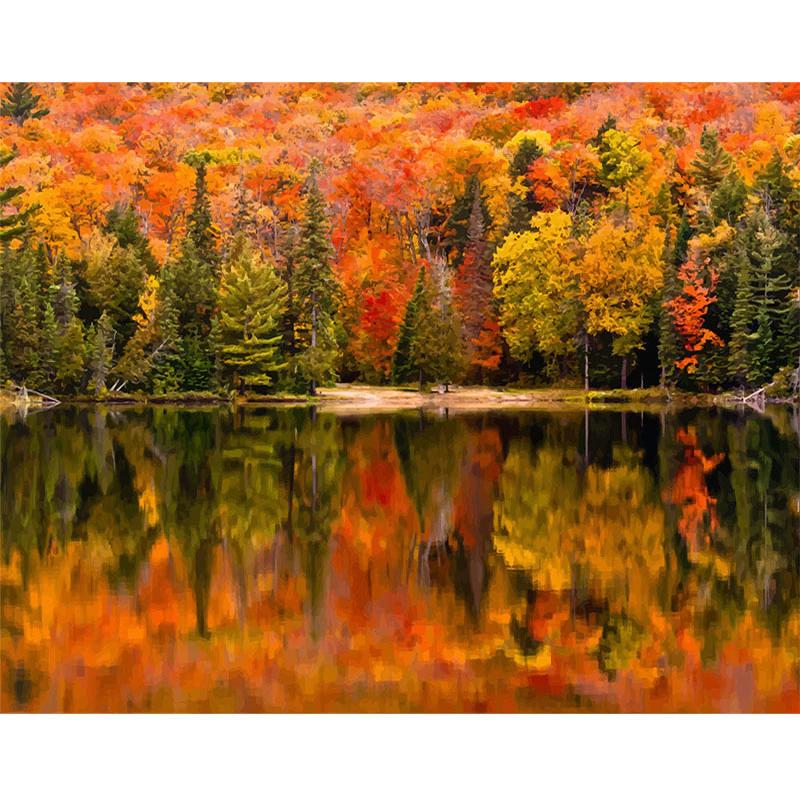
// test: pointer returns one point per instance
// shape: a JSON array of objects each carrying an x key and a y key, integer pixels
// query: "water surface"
[{"x": 164, "y": 559}]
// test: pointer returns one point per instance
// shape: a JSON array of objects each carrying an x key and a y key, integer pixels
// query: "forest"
[{"x": 261, "y": 238}]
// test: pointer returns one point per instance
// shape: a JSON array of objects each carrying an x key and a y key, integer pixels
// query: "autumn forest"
[{"x": 261, "y": 238}]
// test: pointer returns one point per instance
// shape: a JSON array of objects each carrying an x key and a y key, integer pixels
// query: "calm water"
[{"x": 209, "y": 560}]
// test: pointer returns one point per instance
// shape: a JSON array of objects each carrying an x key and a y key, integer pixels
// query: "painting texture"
[{"x": 400, "y": 397}]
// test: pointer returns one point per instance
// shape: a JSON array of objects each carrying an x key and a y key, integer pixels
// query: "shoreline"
[{"x": 350, "y": 398}]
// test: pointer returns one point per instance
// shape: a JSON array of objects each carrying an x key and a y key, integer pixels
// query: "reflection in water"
[{"x": 209, "y": 560}]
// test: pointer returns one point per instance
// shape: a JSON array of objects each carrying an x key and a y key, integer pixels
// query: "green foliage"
[
  {"x": 315, "y": 291},
  {"x": 403, "y": 368},
  {"x": 101, "y": 339},
  {"x": 712, "y": 163},
  {"x": 20, "y": 103},
  {"x": 521, "y": 209},
  {"x": 621, "y": 158},
  {"x": 436, "y": 342},
  {"x": 251, "y": 300}
]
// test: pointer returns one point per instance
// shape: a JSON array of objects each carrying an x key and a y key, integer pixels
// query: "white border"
[{"x": 345, "y": 40}]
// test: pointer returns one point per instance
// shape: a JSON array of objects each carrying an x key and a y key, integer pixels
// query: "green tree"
[
  {"x": 739, "y": 361},
  {"x": 251, "y": 299},
  {"x": 712, "y": 162},
  {"x": 21, "y": 103},
  {"x": 102, "y": 353},
  {"x": 315, "y": 291},
  {"x": 12, "y": 225},
  {"x": 403, "y": 368},
  {"x": 436, "y": 343}
]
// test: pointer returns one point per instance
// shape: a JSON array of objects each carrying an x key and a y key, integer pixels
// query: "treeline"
[{"x": 592, "y": 276}]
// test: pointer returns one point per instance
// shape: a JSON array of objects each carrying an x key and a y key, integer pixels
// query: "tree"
[
  {"x": 403, "y": 368},
  {"x": 251, "y": 300},
  {"x": 689, "y": 310},
  {"x": 201, "y": 230},
  {"x": 536, "y": 288},
  {"x": 712, "y": 163},
  {"x": 20, "y": 103},
  {"x": 102, "y": 354},
  {"x": 739, "y": 366},
  {"x": 473, "y": 296},
  {"x": 115, "y": 276},
  {"x": 12, "y": 225},
  {"x": 436, "y": 342},
  {"x": 619, "y": 275},
  {"x": 316, "y": 290}
]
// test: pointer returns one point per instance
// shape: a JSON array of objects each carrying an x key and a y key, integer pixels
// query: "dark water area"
[{"x": 165, "y": 559}]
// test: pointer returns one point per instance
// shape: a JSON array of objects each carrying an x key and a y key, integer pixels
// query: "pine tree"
[
  {"x": 712, "y": 162},
  {"x": 48, "y": 352},
  {"x": 436, "y": 343},
  {"x": 403, "y": 368},
  {"x": 251, "y": 299},
  {"x": 123, "y": 222},
  {"x": 200, "y": 230},
  {"x": 474, "y": 291},
  {"x": 316, "y": 291},
  {"x": 244, "y": 217},
  {"x": 20, "y": 103},
  {"x": 12, "y": 226},
  {"x": 23, "y": 314},
  {"x": 102, "y": 343},
  {"x": 739, "y": 362},
  {"x": 521, "y": 209}
]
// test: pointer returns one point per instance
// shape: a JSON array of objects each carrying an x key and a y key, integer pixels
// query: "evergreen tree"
[
  {"x": 474, "y": 290},
  {"x": 244, "y": 217},
  {"x": 200, "y": 230},
  {"x": 21, "y": 103},
  {"x": 712, "y": 162},
  {"x": 521, "y": 209},
  {"x": 436, "y": 343},
  {"x": 102, "y": 343},
  {"x": 315, "y": 291},
  {"x": 458, "y": 222},
  {"x": 251, "y": 299},
  {"x": 739, "y": 363},
  {"x": 403, "y": 368},
  {"x": 12, "y": 226},
  {"x": 122, "y": 222},
  {"x": 22, "y": 318}
]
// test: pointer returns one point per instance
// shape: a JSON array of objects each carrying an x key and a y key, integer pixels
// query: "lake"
[{"x": 287, "y": 559}]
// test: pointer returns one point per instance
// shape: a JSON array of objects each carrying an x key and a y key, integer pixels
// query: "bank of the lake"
[{"x": 365, "y": 397}]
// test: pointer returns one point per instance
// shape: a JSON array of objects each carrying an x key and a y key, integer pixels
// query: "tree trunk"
[
  {"x": 624, "y": 376},
  {"x": 420, "y": 378},
  {"x": 585, "y": 361},
  {"x": 313, "y": 335}
]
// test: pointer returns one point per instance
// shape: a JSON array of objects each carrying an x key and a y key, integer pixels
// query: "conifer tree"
[
  {"x": 403, "y": 368},
  {"x": 739, "y": 364},
  {"x": 251, "y": 299},
  {"x": 712, "y": 162},
  {"x": 21, "y": 103},
  {"x": 102, "y": 343},
  {"x": 436, "y": 343},
  {"x": 474, "y": 296},
  {"x": 200, "y": 229},
  {"x": 523, "y": 208},
  {"x": 316, "y": 291},
  {"x": 244, "y": 217},
  {"x": 13, "y": 225}
]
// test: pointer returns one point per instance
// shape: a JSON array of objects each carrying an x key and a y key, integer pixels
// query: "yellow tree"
[{"x": 619, "y": 274}]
